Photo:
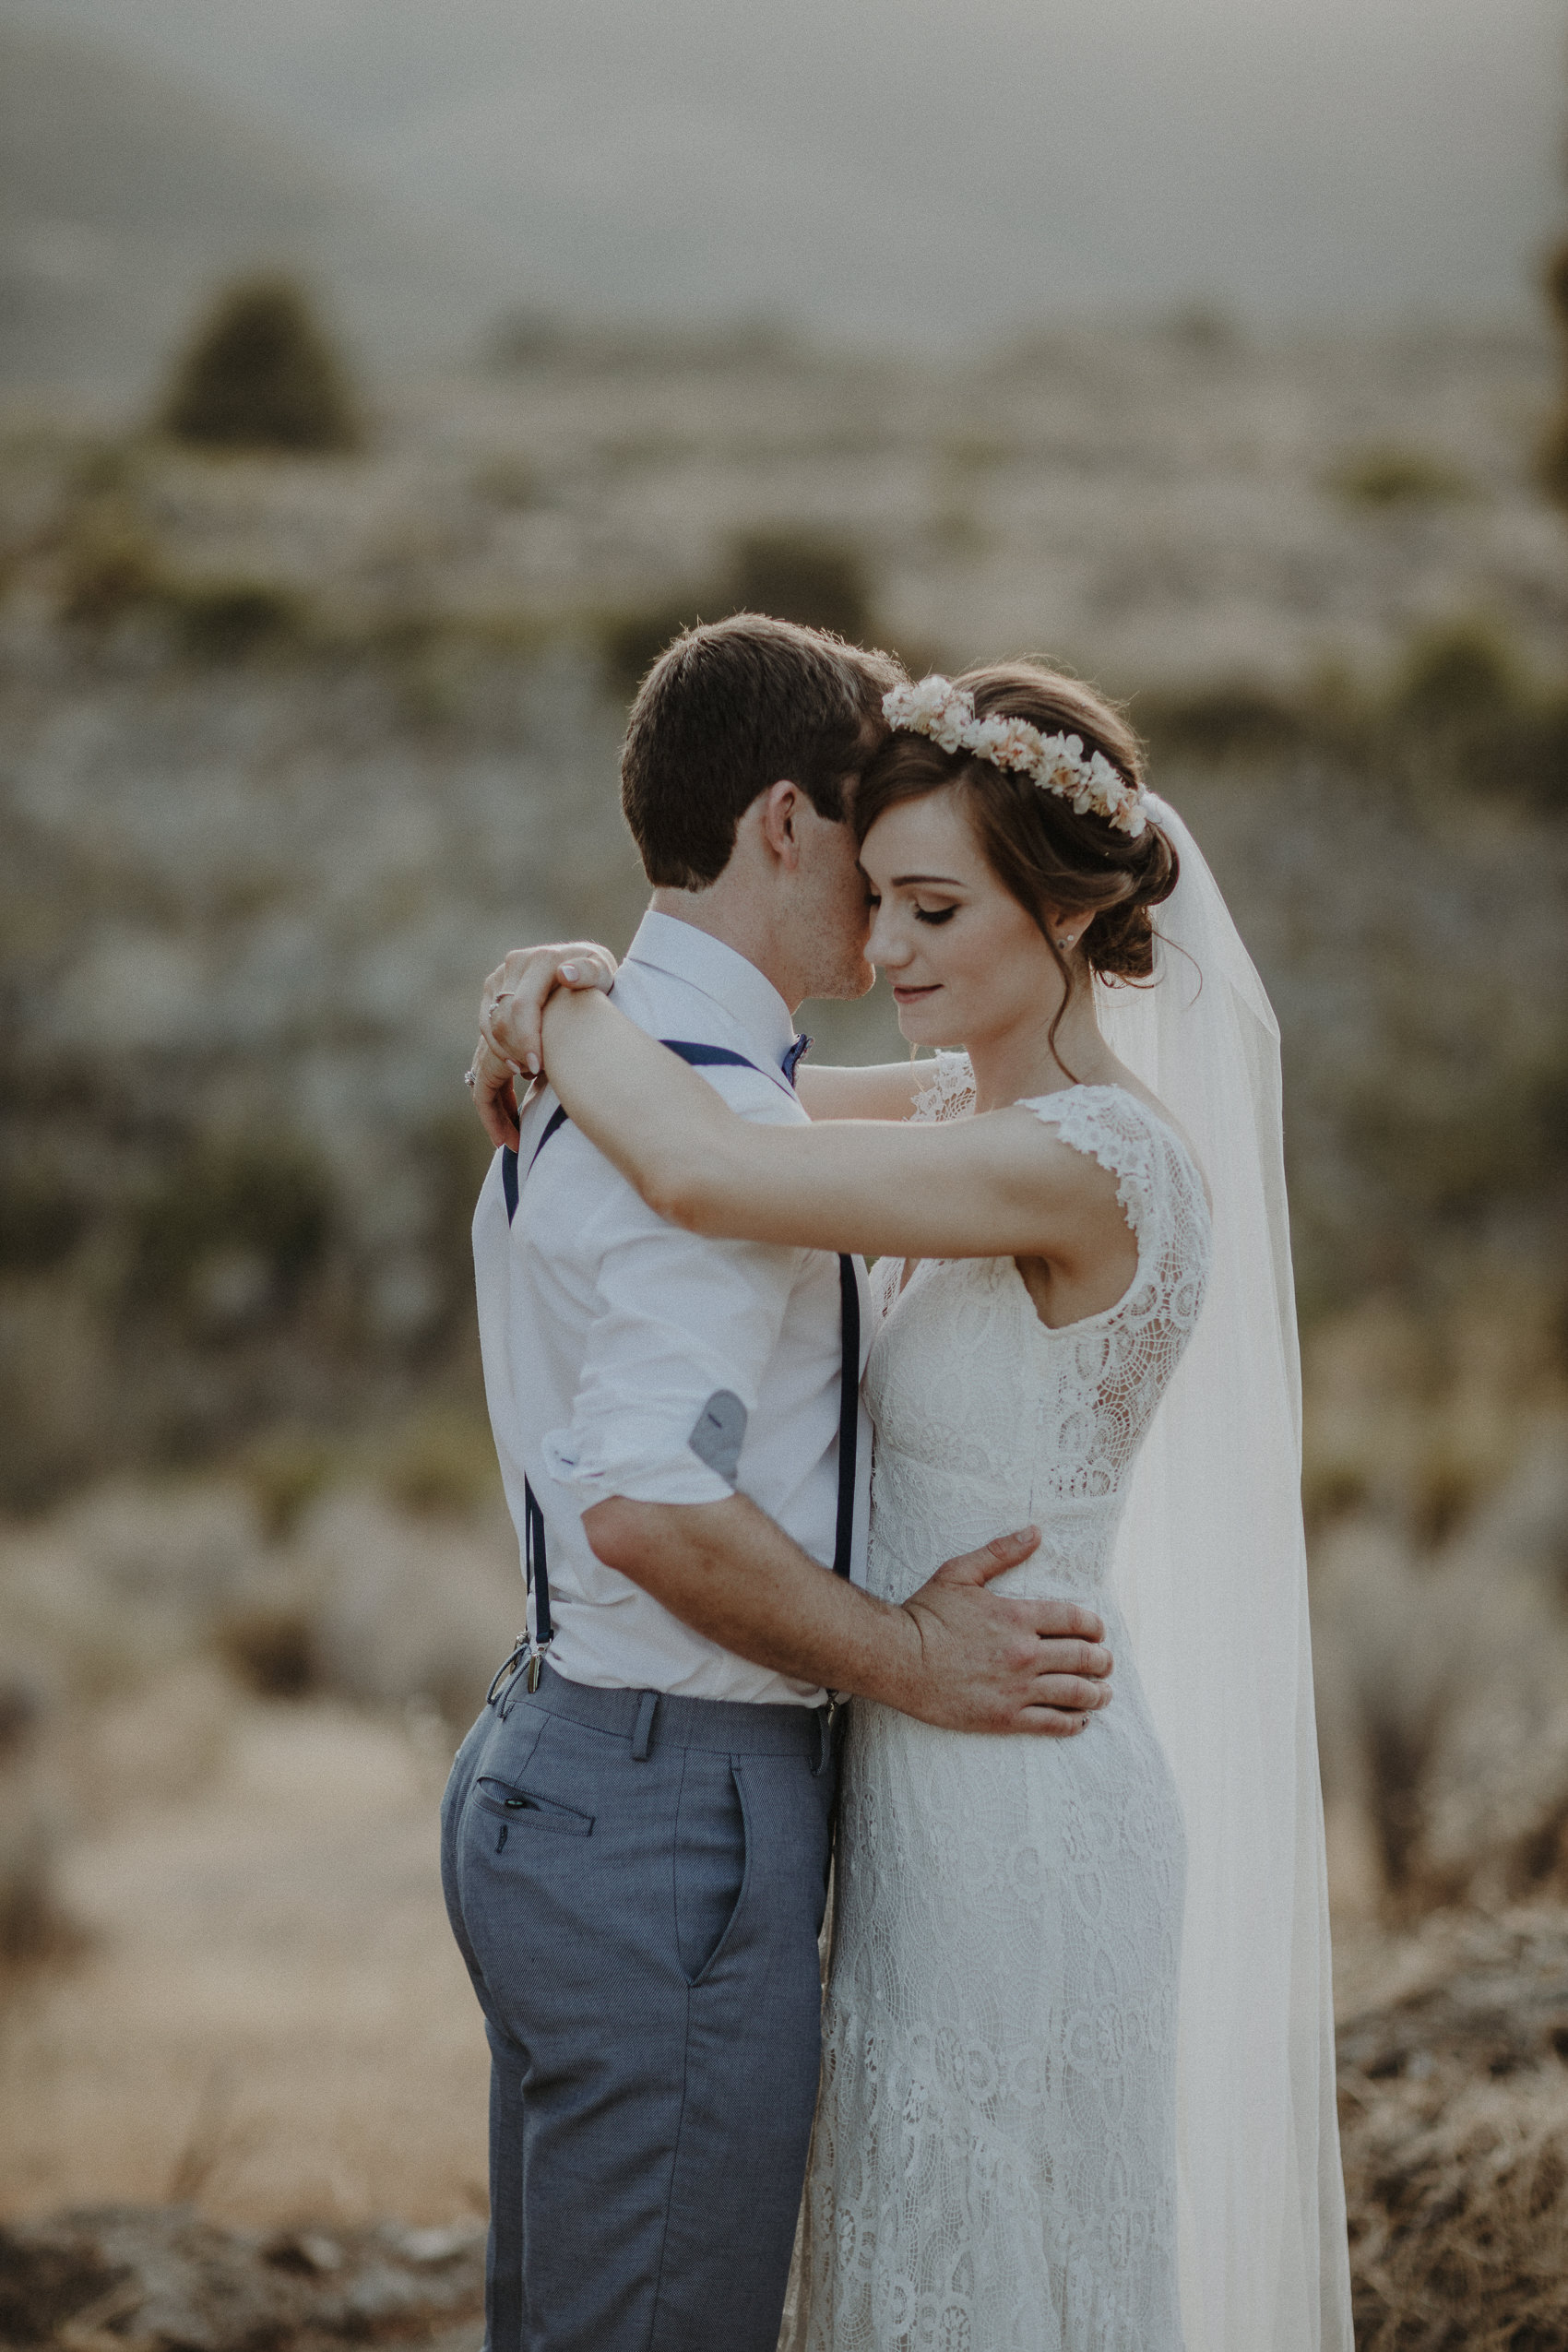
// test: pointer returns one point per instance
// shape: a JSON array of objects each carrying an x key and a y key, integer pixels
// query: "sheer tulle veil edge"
[{"x": 1211, "y": 1570}]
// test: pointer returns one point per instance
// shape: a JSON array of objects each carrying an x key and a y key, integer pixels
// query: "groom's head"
[{"x": 744, "y": 744}]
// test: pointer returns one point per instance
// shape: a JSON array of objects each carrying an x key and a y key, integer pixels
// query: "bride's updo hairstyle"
[{"x": 1035, "y": 843}]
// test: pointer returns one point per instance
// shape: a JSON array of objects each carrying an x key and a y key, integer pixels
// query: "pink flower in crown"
[{"x": 1017, "y": 744}]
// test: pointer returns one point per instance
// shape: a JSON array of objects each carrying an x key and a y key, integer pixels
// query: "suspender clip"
[
  {"x": 535, "y": 1667},
  {"x": 508, "y": 1667}
]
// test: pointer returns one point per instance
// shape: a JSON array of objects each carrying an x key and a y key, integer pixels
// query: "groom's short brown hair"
[{"x": 729, "y": 708}]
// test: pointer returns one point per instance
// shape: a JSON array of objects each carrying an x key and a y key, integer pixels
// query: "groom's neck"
[{"x": 733, "y": 915}]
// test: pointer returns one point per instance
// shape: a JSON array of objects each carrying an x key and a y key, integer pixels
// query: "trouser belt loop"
[
  {"x": 642, "y": 1730},
  {"x": 824, "y": 1739}
]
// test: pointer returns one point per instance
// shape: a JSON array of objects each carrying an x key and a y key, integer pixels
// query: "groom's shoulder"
[{"x": 670, "y": 1009}]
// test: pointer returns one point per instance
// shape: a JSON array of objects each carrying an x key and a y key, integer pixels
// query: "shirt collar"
[{"x": 736, "y": 987}]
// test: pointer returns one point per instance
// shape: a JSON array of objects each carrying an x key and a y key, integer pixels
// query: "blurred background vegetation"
[{"x": 312, "y": 681}]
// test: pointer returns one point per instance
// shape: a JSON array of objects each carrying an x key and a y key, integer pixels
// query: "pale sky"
[{"x": 927, "y": 170}]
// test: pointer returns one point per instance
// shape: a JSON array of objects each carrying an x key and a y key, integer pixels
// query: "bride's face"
[{"x": 966, "y": 960}]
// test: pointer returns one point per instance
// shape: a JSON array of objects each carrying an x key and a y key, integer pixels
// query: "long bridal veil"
[{"x": 1211, "y": 1570}]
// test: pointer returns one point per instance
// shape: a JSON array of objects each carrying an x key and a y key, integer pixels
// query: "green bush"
[
  {"x": 1552, "y": 465},
  {"x": 261, "y": 374},
  {"x": 1219, "y": 723},
  {"x": 41, "y": 1219},
  {"x": 225, "y": 620},
  {"x": 1457, "y": 673},
  {"x": 228, "y": 1238},
  {"x": 796, "y": 576},
  {"x": 791, "y": 576},
  {"x": 108, "y": 565},
  {"x": 1390, "y": 477}
]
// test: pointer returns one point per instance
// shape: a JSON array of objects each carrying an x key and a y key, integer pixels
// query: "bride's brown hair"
[{"x": 1037, "y": 845}]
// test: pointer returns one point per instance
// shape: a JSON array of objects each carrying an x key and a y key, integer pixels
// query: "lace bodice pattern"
[
  {"x": 1060, "y": 1432},
  {"x": 994, "y": 2167}
]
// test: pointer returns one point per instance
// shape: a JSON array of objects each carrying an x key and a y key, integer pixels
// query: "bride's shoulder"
[
  {"x": 949, "y": 1092},
  {"x": 1123, "y": 1126}
]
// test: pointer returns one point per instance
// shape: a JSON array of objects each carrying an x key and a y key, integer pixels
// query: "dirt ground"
[{"x": 269, "y": 2016}]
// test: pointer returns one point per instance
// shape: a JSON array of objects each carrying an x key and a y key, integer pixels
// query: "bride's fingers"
[{"x": 494, "y": 1094}]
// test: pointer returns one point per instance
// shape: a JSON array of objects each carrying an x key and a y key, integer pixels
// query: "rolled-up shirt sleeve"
[{"x": 682, "y": 1332}]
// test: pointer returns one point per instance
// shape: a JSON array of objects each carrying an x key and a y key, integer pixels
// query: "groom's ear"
[{"x": 779, "y": 809}]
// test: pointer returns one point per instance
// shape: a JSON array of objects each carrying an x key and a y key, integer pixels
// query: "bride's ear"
[{"x": 1065, "y": 926}]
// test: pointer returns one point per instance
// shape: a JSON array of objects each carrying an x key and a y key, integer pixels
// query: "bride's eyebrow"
[{"x": 918, "y": 881}]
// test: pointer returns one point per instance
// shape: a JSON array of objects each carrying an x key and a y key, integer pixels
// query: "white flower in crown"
[{"x": 1093, "y": 786}]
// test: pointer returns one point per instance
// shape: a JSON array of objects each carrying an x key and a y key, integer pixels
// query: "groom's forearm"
[
  {"x": 731, "y": 1572},
  {"x": 953, "y": 1655}
]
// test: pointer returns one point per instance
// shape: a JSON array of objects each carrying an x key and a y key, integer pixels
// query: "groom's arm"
[
  {"x": 680, "y": 1324},
  {"x": 953, "y": 1655}
]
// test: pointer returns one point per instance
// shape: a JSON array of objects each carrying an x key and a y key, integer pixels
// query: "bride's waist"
[{"x": 1073, "y": 1560}]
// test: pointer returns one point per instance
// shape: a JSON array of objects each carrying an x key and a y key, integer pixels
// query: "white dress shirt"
[{"x": 609, "y": 1336}]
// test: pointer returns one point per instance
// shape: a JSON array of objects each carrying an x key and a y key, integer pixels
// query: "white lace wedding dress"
[{"x": 994, "y": 2167}]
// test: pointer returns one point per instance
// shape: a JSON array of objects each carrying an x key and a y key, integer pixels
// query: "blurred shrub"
[
  {"x": 268, "y": 1647},
  {"x": 797, "y": 576},
  {"x": 283, "y": 1474},
  {"x": 1552, "y": 464},
  {"x": 632, "y": 642},
  {"x": 1459, "y": 673},
  {"x": 507, "y": 481},
  {"x": 820, "y": 582},
  {"x": 228, "y": 1237},
  {"x": 1440, "y": 1685},
  {"x": 529, "y": 337},
  {"x": 225, "y": 620},
  {"x": 1221, "y": 723},
  {"x": 41, "y": 1218},
  {"x": 109, "y": 564},
  {"x": 31, "y": 1924},
  {"x": 443, "y": 1466},
  {"x": 1462, "y": 713},
  {"x": 1393, "y": 478},
  {"x": 261, "y": 374}
]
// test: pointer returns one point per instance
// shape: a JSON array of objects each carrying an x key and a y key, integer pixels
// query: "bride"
[{"x": 1077, "y": 2086}]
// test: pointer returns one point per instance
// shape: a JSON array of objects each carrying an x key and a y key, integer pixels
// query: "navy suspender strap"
[{"x": 535, "y": 1566}]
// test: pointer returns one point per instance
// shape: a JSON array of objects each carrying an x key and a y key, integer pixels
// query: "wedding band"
[{"x": 470, "y": 1077}]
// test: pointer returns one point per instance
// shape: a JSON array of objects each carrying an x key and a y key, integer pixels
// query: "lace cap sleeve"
[
  {"x": 1113, "y": 1127},
  {"x": 950, "y": 1092}
]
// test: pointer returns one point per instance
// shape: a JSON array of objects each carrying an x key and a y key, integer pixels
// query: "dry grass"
[
  {"x": 1454, "y": 2102},
  {"x": 270, "y": 2015}
]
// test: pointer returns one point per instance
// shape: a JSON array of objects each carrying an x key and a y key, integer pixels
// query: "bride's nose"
[{"x": 886, "y": 947}]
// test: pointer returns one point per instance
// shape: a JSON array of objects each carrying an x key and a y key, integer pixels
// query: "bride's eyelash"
[{"x": 934, "y": 915}]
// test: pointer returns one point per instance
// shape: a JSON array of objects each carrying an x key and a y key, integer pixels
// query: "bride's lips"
[{"x": 913, "y": 995}]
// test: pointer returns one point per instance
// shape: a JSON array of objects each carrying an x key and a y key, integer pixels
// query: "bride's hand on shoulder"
[
  {"x": 518, "y": 990},
  {"x": 511, "y": 1012}
]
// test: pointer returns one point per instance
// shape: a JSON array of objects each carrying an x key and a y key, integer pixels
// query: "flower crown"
[{"x": 1056, "y": 763}]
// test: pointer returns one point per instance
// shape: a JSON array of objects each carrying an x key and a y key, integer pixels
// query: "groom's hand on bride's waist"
[
  {"x": 953, "y": 1655},
  {"x": 991, "y": 1662}
]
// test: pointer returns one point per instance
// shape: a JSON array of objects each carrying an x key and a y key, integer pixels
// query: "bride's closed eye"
[{"x": 935, "y": 914}]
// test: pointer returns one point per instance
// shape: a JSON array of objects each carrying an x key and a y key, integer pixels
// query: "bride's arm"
[
  {"x": 994, "y": 1186},
  {"x": 876, "y": 1091}
]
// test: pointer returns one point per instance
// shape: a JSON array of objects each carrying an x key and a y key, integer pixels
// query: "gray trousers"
[{"x": 637, "y": 1884}]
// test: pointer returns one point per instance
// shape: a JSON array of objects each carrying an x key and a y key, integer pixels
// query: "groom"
[{"x": 635, "y": 1836}]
